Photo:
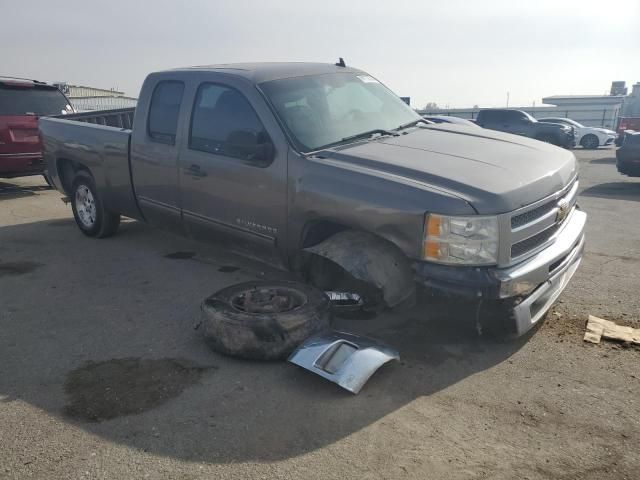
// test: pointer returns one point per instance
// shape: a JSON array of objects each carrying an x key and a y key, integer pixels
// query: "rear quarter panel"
[{"x": 103, "y": 150}]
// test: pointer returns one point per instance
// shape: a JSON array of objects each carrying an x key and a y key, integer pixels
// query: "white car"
[{"x": 587, "y": 137}]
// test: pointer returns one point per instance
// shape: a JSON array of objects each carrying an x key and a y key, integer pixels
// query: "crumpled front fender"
[{"x": 372, "y": 260}]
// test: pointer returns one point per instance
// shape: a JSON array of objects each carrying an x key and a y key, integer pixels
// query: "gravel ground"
[{"x": 103, "y": 376}]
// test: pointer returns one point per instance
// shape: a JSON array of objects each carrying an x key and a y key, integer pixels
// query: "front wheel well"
[
  {"x": 376, "y": 267},
  {"x": 318, "y": 231}
]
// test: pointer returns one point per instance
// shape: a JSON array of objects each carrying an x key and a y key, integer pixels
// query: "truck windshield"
[
  {"x": 323, "y": 110},
  {"x": 32, "y": 101}
]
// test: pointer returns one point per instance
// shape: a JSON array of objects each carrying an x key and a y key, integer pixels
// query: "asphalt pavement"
[{"x": 102, "y": 374}]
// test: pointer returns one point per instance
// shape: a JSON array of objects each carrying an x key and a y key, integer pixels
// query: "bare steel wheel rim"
[
  {"x": 85, "y": 206},
  {"x": 268, "y": 300}
]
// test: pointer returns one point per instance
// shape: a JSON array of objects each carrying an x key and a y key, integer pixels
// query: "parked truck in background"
[
  {"x": 521, "y": 123},
  {"x": 587, "y": 137},
  {"x": 22, "y": 101},
  {"x": 296, "y": 162}
]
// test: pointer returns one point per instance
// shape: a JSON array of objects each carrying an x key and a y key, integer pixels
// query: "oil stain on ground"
[
  {"x": 17, "y": 268},
  {"x": 101, "y": 391},
  {"x": 180, "y": 255}
]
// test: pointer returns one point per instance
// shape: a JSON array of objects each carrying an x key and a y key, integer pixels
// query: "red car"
[{"x": 21, "y": 102}]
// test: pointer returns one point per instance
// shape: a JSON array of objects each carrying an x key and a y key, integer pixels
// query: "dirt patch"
[
  {"x": 104, "y": 390},
  {"x": 228, "y": 269},
  {"x": 17, "y": 268},
  {"x": 180, "y": 255}
]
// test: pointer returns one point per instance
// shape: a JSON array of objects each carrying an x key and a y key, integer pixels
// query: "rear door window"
[
  {"x": 32, "y": 101},
  {"x": 164, "y": 110}
]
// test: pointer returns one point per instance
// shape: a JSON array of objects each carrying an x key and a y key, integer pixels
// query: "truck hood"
[{"x": 493, "y": 171}]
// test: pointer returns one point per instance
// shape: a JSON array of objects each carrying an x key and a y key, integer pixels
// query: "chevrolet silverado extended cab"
[{"x": 296, "y": 161}]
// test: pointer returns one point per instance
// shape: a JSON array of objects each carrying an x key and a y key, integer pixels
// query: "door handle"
[{"x": 195, "y": 171}]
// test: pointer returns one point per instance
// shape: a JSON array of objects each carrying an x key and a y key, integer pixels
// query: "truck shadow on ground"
[
  {"x": 10, "y": 190},
  {"x": 614, "y": 190},
  {"x": 117, "y": 330}
]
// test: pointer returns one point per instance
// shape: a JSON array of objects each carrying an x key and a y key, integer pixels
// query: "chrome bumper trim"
[
  {"x": 568, "y": 244},
  {"x": 534, "y": 307},
  {"x": 22, "y": 155},
  {"x": 343, "y": 358}
]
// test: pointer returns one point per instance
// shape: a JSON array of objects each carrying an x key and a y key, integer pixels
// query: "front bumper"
[{"x": 537, "y": 281}]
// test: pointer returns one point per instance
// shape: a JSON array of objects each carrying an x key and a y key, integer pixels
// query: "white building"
[
  {"x": 590, "y": 110},
  {"x": 86, "y": 99}
]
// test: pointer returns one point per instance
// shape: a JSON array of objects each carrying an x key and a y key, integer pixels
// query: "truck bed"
[
  {"x": 100, "y": 143},
  {"x": 120, "y": 117}
]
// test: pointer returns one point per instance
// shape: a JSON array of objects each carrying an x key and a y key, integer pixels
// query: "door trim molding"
[{"x": 226, "y": 226}]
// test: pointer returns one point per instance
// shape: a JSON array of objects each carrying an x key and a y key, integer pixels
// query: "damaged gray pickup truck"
[{"x": 298, "y": 162}]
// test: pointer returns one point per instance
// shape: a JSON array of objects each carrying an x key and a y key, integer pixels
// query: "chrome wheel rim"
[{"x": 85, "y": 206}]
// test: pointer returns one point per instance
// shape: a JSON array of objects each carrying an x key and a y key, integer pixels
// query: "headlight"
[{"x": 460, "y": 240}]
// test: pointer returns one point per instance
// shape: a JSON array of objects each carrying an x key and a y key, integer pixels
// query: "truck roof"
[{"x": 265, "y": 71}]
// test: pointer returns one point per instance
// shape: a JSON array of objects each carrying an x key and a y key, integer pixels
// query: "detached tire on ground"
[
  {"x": 264, "y": 320},
  {"x": 88, "y": 210}
]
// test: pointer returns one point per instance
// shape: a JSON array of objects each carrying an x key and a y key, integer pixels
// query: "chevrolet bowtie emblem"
[{"x": 563, "y": 210}]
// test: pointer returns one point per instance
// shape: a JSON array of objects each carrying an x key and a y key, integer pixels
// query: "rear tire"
[
  {"x": 91, "y": 217},
  {"x": 590, "y": 141}
]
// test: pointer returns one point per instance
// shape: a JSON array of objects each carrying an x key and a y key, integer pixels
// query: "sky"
[{"x": 455, "y": 53}]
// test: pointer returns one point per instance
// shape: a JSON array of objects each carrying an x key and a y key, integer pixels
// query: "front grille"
[
  {"x": 531, "y": 243},
  {"x": 538, "y": 224},
  {"x": 531, "y": 215}
]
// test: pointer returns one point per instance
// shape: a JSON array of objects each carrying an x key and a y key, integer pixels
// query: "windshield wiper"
[
  {"x": 369, "y": 133},
  {"x": 411, "y": 124}
]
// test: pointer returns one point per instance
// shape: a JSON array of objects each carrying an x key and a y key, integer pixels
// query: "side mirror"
[
  {"x": 252, "y": 147},
  {"x": 264, "y": 152}
]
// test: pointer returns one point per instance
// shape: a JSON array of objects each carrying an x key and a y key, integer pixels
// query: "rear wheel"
[
  {"x": 88, "y": 211},
  {"x": 590, "y": 141}
]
